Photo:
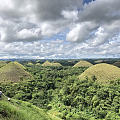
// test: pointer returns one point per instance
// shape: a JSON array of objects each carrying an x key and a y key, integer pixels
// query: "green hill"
[
  {"x": 83, "y": 64},
  {"x": 13, "y": 72},
  {"x": 19, "y": 110},
  {"x": 103, "y": 73}
]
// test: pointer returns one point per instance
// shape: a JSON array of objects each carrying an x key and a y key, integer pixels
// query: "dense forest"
[{"x": 59, "y": 91}]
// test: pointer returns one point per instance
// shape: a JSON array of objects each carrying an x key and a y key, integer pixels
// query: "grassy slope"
[
  {"x": 117, "y": 64},
  {"x": 47, "y": 63},
  {"x": 2, "y": 63},
  {"x": 19, "y": 110},
  {"x": 83, "y": 64},
  {"x": 104, "y": 73},
  {"x": 13, "y": 71}
]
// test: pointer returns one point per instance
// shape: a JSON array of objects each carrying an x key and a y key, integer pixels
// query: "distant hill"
[
  {"x": 13, "y": 72},
  {"x": 3, "y": 63},
  {"x": 103, "y": 73},
  {"x": 99, "y": 61},
  {"x": 30, "y": 64},
  {"x": 38, "y": 64},
  {"x": 83, "y": 64},
  {"x": 117, "y": 63},
  {"x": 19, "y": 110},
  {"x": 56, "y": 64},
  {"x": 47, "y": 63}
]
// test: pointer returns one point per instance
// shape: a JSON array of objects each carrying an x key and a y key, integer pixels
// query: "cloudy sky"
[{"x": 59, "y": 29}]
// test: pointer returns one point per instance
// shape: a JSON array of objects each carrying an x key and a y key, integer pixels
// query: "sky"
[{"x": 59, "y": 29}]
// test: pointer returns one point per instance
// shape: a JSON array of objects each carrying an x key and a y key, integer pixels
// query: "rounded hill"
[
  {"x": 47, "y": 63},
  {"x": 13, "y": 72},
  {"x": 117, "y": 63},
  {"x": 3, "y": 63},
  {"x": 102, "y": 73},
  {"x": 83, "y": 64}
]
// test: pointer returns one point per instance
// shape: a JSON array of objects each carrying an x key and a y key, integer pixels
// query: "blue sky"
[{"x": 44, "y": 29}]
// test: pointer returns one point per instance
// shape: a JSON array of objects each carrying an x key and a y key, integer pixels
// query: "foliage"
[
  {"x": 64, "y": 96},
  {"x": 19, "y": 110}
]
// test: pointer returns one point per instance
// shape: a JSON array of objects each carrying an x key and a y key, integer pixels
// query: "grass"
[
  {"x": 19, "y": 110},
  {"x": 103, "y": 73},
  {"x": 13, "y": 72},
  {"x": 2, "y": 63},
  {"x": 83, "y": 64},
  {"x": 46, "y": 63},
  {"x": 99, "y": 61},
  {"x": 117, "y": 64}
]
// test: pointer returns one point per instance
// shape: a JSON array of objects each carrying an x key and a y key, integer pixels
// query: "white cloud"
[
  {"x": 104, "y": 14},
  {"x": 93, "y": 28},
  {"x": 81, "y": 31}
]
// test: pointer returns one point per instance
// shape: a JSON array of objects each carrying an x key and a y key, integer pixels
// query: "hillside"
[
  {"x": 56, "y": 64},
  {"x": 83, "y": 64},
  {"x": 19, "y": 110},
  {"x": 103, "y": 73},
  {"x": 117, "y": 64},
  {"x": 47, "y": 63},
  {"x": 59, "y": 92},
  {"x": 13, "y": 72},
  {"x": 2, "y": 63}
]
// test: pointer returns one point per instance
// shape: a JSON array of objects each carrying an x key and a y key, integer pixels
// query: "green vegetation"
[
  {"x": 38, "y": 64},
  {"x": 83, "y": 64},
  {"x": 2, "y": 63},
  {"x": 13, "y": 72},
  {"x": 19, "y": 110},
  {"x": 64, "y": 96},
  {"x": 30, "y": 64}
]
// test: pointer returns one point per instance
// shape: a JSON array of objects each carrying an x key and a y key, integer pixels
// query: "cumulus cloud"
[
  {"x": 104, "y": 14},
  {"x": 50, "y": 17},
  {"x": 81, "y": 31},
  {"x": 89, "y": 29}
]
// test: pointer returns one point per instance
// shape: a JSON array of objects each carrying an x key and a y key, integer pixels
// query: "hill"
[
  {"x": 56, "y": 64},
  {"x": 2, "y": 63},
  {"x": 47, "y": 63},
  {"x": 19, "y": 110},
  {"x": 38, "y": 64},
  {"x": 99, "y": 61},
  {"x": 83, "y": 64},
  {"x": 30, "y": 64},
  {"x": 117, "y": 63},
  {"x": 103, "y": 73},
  {"x": 13, "y": 72}
]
